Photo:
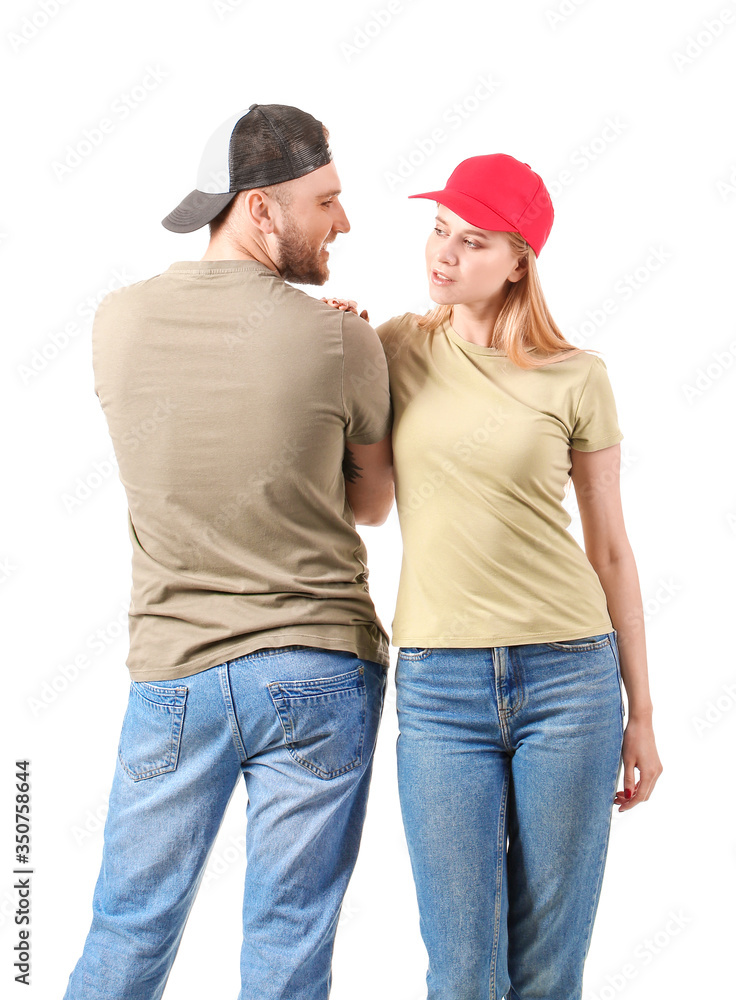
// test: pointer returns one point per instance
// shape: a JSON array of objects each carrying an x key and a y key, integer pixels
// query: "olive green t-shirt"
[
  {"x": 229, "y": 396},
  {"x": 481, "y": 458}
]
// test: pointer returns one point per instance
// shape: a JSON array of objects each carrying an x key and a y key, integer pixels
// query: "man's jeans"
[
  {"x": 300, "y": 724},
  {"x": 508, "y": 760}
]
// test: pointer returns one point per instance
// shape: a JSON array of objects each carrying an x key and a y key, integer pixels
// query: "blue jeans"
[
  {"x": 508, "y": 760},
  {"x": 300, "y": 725}
]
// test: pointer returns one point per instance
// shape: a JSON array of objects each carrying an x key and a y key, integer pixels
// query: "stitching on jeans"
[
  {"x": 514, "y": 659},
  {"x": 335, "y": 688},
  {"x": 227, "y": 697},
  {"x": 271, "y": 651},
  {"x": 501, "y": 657},
  {"x": 423, "y": 653},
  {"x": 500, "y": 852},
  {"x": 595, "y": 897},
  {"x": 175, "y": 711},
  {"x": 572, "y": 647},
  {"x": 614, "y": 650}
]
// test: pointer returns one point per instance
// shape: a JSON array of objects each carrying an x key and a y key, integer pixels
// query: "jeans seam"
[
  {"x": 499, "y": 656},
  {"x": 227, "y": 697},
  {"x": 500, "y": 852},
  {"x": 514, "y": 660},
  {"x": 595, "y": 897},
  {"x": 617, "y": 661}
]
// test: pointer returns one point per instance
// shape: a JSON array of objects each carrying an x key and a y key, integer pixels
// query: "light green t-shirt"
[
  {"x": 229, "y": 395},
  {"x": 481, "y": 458}
]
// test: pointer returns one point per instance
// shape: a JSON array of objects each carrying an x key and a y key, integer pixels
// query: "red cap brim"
[{"x": 472, "y": 211}]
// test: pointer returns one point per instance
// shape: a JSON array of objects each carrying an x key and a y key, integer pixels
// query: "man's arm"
[{"x": 369, "y": 480}]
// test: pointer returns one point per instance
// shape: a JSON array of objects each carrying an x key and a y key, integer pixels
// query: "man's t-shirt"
[
  {"x": 481, "y": 458},
  {"x": 229, "y": 395}
]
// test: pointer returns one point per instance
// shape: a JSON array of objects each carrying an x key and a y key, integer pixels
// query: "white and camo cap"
[{"x": 267, "y": 144}]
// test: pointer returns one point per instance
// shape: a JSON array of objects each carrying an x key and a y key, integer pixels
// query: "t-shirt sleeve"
[
  {"x": 389, "y": 334},
  {"x": 102, "y": 339},
  {"x": 595, "y": 425},
  {"x": 365, "y": 389}
]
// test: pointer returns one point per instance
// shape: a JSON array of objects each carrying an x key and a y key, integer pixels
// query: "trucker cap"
[{"x": 267, "y": 144}]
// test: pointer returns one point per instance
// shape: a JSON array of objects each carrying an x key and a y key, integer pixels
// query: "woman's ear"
[{"x": 522, "y": 266}]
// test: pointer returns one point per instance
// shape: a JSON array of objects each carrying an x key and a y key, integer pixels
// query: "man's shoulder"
[
  {"x": 355, "y": 326},
  {"x": 307, "y": 308},
  {"x": 125, "y": 296}
]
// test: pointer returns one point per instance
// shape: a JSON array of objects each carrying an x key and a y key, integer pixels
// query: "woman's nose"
[{"x": 446, "y": 254}]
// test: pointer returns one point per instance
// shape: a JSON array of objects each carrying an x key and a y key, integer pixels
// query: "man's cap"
[
  {"x": 267, "y": 144},
  {"x": 501, "y": 193}
]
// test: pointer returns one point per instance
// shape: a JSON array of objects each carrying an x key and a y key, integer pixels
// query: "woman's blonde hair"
[{"x": 525, "y": 322}]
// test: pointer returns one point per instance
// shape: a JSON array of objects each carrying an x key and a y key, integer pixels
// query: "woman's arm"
[{"x": 596, "y": 477}]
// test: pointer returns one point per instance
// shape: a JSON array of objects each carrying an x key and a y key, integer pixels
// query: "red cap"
[{"x": 500, "y": 193}]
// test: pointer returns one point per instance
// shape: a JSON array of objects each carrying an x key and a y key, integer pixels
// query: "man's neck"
[{"x": 223, "y": 249}]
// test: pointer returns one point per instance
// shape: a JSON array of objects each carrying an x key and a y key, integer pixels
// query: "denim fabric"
[
  {"x": 300, "y": 724},
  {"x": 508, "y": 760}
]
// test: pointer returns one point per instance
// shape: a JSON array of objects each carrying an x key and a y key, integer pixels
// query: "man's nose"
[{"x": 340, "y": 223}]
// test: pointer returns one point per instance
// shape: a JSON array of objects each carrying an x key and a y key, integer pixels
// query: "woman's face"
[{"x": 466, "y": 265}]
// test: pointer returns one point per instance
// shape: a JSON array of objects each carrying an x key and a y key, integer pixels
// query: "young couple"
[{"x": 255, "y": 648}]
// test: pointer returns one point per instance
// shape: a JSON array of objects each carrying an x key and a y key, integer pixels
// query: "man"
[{"x": 251, "y": 424}]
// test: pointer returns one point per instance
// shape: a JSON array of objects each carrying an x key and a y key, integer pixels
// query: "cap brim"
[
  {"x": 473, "y": 212},
  {"x": 196, "y": 210}
]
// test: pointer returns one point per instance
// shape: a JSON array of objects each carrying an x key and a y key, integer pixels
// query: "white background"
[{"x": 626, "y": 110}]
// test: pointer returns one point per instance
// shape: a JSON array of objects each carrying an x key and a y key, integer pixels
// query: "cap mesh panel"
[{"x": 274, "y": 143}]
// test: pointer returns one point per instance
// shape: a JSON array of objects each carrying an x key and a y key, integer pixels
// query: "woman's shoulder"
[
  {"x": 577, "y": 360},
  {"x": 397, "y": 326}
]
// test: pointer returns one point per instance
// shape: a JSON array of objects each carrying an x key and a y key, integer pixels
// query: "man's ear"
[{"x": 260, "y": 210}]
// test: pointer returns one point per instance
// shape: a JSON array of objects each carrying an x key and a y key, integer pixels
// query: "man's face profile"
[{"x": 311, "y": 218}]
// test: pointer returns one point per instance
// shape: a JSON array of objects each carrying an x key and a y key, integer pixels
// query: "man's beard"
[{"x": 298, "y": 260}]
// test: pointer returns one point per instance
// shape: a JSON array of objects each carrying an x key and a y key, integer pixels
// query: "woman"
[{"x": 513, "y": 641}]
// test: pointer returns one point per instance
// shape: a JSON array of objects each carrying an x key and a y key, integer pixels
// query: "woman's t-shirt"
[{"x": 481, "y": 459}]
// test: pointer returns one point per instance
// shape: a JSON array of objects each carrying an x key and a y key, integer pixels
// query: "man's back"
[
  {"x": 229, "y": 396},
  {"x": 255, "y": 652}
]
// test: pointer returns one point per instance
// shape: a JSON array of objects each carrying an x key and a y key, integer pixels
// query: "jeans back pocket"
[
  {"x": 323, "y": 720},
  {"x": 151, "y": 734}
]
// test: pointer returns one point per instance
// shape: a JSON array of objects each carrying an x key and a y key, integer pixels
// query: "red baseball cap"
[{"x": 500, "y": 193}]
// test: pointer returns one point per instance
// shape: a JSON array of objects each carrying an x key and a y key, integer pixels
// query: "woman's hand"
[
  {"x": 638, "y": 751},
  {"x": 347, "y": 304}
]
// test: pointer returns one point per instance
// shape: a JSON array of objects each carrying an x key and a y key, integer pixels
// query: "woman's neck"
[{"x": 476, "y": 323}]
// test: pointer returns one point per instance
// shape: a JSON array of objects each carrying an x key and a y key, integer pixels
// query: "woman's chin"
[{"x": 440, "y": 296}]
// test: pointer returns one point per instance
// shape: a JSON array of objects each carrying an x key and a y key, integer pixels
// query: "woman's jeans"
[
  {"x": 508, "y": 760},
  {"x": 300, "y": 725}
]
